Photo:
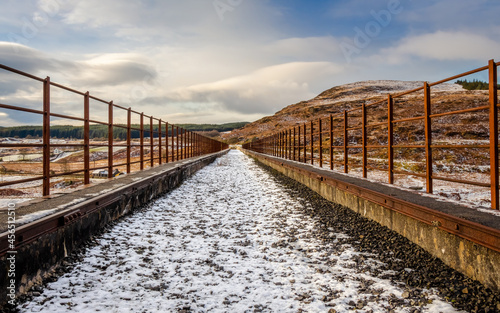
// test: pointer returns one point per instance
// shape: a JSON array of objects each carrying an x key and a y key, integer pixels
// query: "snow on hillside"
[{"x": 370, "y": 88}]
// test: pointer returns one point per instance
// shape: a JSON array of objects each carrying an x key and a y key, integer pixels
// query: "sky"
[{"x": 218, "y": 61}]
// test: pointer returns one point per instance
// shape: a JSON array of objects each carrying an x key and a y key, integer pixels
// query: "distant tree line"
[
  {"x": 474, "y": 84},
  {"x": 101, "y": 131}
]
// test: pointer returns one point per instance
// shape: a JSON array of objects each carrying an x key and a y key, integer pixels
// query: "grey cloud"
[
  {"x": 30, "y": 60},
  {"x": 114, "y": 74}
]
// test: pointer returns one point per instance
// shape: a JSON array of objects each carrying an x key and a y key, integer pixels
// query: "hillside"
[{"x": 345, "y": 97}]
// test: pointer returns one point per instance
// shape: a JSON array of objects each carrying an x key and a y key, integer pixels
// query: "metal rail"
[
  {"x": 164, "y": 145},
  {"x": 348, "y": 137}
]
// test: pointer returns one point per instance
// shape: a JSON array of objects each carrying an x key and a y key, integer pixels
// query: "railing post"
[
  {"x": 493, "y": 80},
  {"x": 331, "y": 142},
  {"x": 177, "y": 139},
  {"x": 129, "y": 139},
  {"x": 151, "y": 142},
  {"x": 298, "y": 144},
  {"x": 312, "y": 142},
  {"x": 195, "y": 144},
  {"x": 390, "y": 138},
  {"x": 86, "y": 139},
  {"x": 283, "y": 151},
  {"x": 305, "y": 143},
  {"x": 294, "y": 143},
  {"x": 188, "y": 143},
  {"x": 46, "y": 137},
  {"x": 365, "y": 158},
  {"x": 289, "y": 144},
  {"x": 110, "y": 140},
  {"x": 284, "y": 144},
  {"x": 428, "y": 137},
  {"x": 173, "y": 149},
  {"x": 184, "y": 132},
  {"x": 142, "y": 141},
  {"x": 279, "y": 144},
  {"x": 320, "y": 138},
  {"x": 181, "y": 136},
  {"x": 274, "y": 144},
  {"x": 191, "y": 144},
  {"x": 346, "y": 143},
  {"x": 185, "y": 142},
  {"x": 159, "y": 142},
  {"x": 166, "y": 142}
]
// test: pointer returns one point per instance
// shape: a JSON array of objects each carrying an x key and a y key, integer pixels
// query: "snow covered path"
[{"x": 229, "y": 239}]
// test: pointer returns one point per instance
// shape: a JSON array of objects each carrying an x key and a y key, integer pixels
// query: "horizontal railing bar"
[
  {"x": 376, "y": 146},
  {"x": 78, "y": 145},
  {"x": 375, "y": 103},
  {"x": 459, "y": 76},
  {"x": 98, "y": 99},
  {"x": 376, "y": 168},
  {"x": 67, "y": 173},
  {"x": 486, "y": 107},
  {"x": 20, "y": 145},
  {"x": 408, "y": 146},
  {"x": 67, "y": 88},
  {"x": 67, "y": 117},
  {"x": 98, "y": 122},
  {"x": 460, "y": 181},
  {"x": 16, "y": 108},
  {"x": 353, "y": 110},
  {"x": 408, "y": 173},
  {"x": 10, "y": 69},
  {"x": 15, "y": 182},
  {"x": 409, "y": 119},
  {"x": 460, "y": 146},
  {"x": 407, "y": 92},
  {"x": 120, "y": 107}
]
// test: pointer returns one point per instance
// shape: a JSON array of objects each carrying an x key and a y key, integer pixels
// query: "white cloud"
[
  {"x": 305, "y": 49},
  {"x": 443, "y": 46},
  {"x": 263, "y": 91}
]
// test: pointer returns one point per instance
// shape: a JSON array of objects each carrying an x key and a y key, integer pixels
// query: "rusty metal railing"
[
  {"x": 374, "y": 137},
  {"x": 167, "y": 142}
]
